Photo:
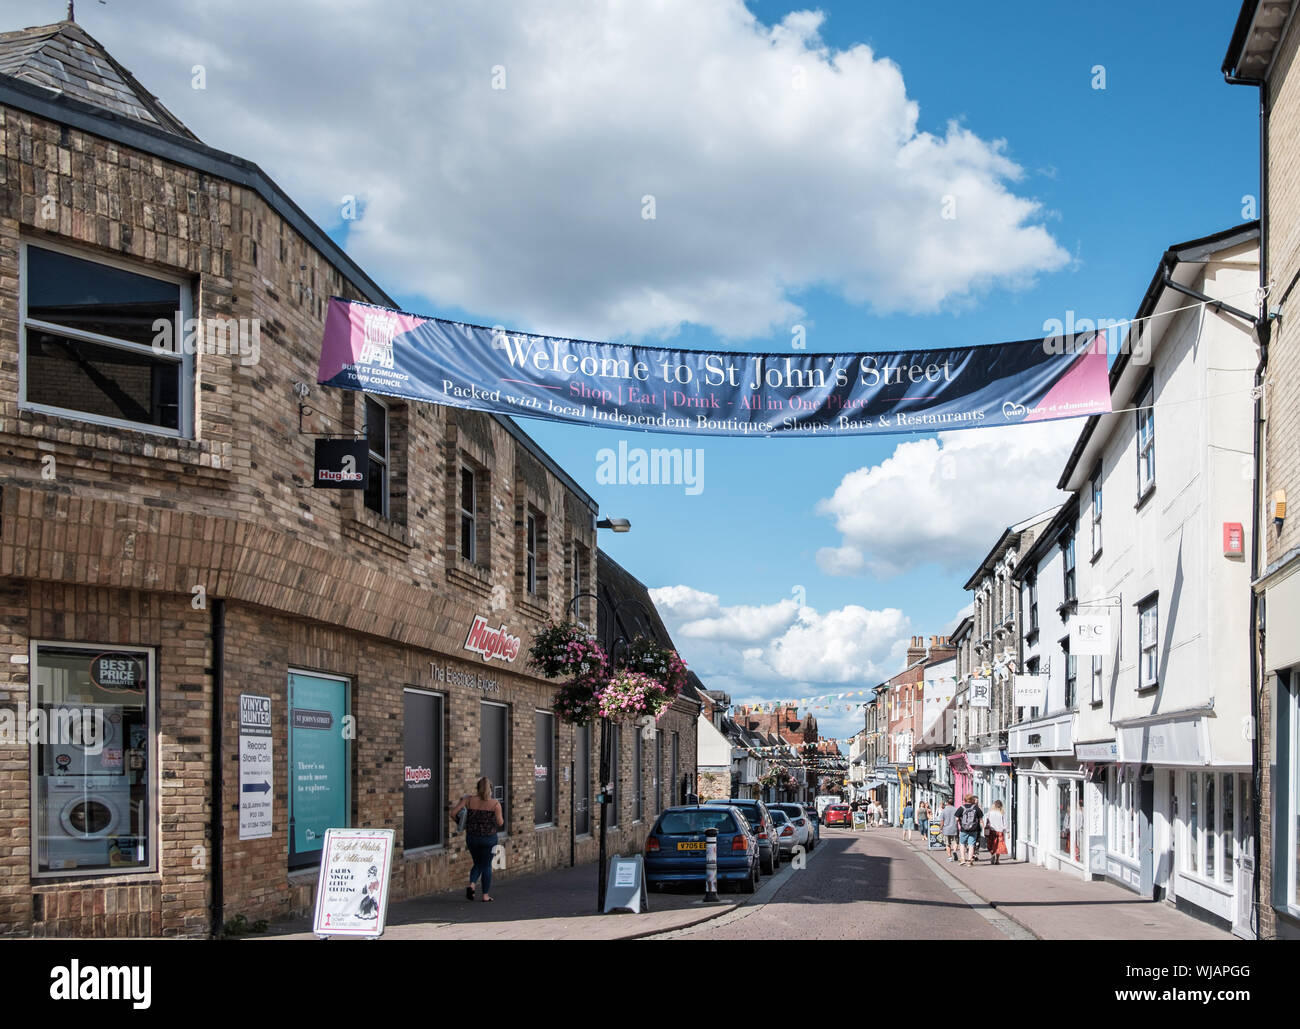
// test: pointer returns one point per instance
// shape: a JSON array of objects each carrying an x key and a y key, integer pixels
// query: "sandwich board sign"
[
  {"x": 626, "y": 889},
  {"x": 352, "y": 892}
]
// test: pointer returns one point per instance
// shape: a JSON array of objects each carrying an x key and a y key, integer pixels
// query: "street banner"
[{"x": 710, "y": 393}]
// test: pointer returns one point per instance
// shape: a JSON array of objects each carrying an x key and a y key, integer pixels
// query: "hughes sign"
[
  {"x": 705, "y": 393},
  {"x": 490, "y": 643}
]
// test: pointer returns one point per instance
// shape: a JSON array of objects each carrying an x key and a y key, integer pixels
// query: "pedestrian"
[
  {"x": 948, "y": 823},
  {"x": 909, "y": 820},
  {"x": 481, "y": 825},
  {"x": 969, "y": 819},
  {"x": 995, "y": 831},
  {"x": 923, "y": 821}
]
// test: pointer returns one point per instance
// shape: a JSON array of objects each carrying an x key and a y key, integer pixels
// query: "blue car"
[{"x": 675, "y": 848}]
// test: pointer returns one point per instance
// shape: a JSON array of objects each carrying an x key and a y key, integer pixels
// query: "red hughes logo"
[
  {"x": 489, "y": 642},
  {"x": 418, "y": 774}
]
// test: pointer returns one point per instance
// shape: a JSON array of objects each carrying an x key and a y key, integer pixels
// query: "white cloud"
[
  {"x": 944, "y": 500},
  {"x": 776, "y": 163}
]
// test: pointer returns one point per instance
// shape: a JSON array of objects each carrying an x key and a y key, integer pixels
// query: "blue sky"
[{"x": 521, "y": 206}]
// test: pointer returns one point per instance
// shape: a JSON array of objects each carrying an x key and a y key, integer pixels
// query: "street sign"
[
  {"x": 256, "y": 768},
  {"x": 352, "y": 892},
  {"x": 1090, "y": 635},
  {"x": 626, "y": 890}
]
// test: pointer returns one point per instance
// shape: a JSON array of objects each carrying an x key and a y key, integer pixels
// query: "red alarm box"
[{"x": 1233, "y": 540}]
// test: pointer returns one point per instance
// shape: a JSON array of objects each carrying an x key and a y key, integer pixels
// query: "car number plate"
[{"x": 690, "y": 846}]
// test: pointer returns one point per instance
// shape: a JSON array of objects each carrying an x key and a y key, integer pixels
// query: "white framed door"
[{"x": 1243, "y": 923}]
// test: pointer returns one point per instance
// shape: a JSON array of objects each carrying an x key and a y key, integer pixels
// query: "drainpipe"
[
  {"x": 1262, "y": 329},
  {"x": 217, "y": 804}
]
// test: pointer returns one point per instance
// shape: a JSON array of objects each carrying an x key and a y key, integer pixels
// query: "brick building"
[
  {"x": 1263, "y": 53},
  {"x": 166, "y": 571}
]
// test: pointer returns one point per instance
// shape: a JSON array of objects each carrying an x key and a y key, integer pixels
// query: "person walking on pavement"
[
  {"x": 970, "y": 817},
  {"x": 948, "y": 823},
  {"x": 995, "y": 831},
  {"x": 909, "y": 820},
  {"x": 923, "y": 821},
  {"x": 481, "y": 825}
]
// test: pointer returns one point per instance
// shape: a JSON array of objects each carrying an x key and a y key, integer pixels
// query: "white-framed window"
[
  {"x": 1098, "y": 690},
  {"x": 1067, "y": 565},
  {"x": 1210, "y": 836},
  {"x": 1148, "y": 643},
  {"x": 1096, "y": 511},
  {"x": 94, "y": 778},
  {"x": 376, "y": 495},
  {"x": 1122, "y": 812},
  {"x": 105, "y": 341},
  {"x": 1071, "y": 675},
  {"x": 468, "y": 515},
  {"x": 530, "y": 553},
  {"x": 1146, "y": 441},
  {"x": 1033, "y": 603}
]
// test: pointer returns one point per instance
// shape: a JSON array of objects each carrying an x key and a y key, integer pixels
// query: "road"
[{"x": 860, "y": 885}]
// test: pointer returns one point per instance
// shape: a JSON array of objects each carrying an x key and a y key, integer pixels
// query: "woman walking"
[
  {"x": 481, "y": 825},
  {"x": 923, "y": 821},
  {"x": 995, "y": 831},
  {"x": 909, "y": 820}
]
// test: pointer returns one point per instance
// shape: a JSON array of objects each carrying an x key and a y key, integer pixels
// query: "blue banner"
[{"x": 710, "y": 393}]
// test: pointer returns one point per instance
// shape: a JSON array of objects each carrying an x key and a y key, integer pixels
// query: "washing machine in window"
[{"x": 87, "y": 801}]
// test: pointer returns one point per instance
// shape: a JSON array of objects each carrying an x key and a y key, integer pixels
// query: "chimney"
[{"x": 916, "y": 651}]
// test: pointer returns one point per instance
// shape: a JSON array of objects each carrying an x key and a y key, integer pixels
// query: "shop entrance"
[
  {"x": 494, "y": 753},
  {"x": 1146, "y": 831},
  {"x": 582, "y": 780},
  {"x": 1243, "y": 922}
]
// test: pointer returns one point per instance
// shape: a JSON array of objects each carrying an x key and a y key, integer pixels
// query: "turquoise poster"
[{"x": 318, "y": 764}]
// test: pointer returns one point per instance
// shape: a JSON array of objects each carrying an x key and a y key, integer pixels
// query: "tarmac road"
[{"x": 857, "y": 885}]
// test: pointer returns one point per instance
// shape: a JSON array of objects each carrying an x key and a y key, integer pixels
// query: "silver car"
[{"x": 807, "y": 832}]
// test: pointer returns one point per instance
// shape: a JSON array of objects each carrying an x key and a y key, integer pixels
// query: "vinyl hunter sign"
[
  {"x": 710, "y": 393},
  {"x": 341, "y": 464}
]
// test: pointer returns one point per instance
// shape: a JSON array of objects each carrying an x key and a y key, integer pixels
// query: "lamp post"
[{"x": 611, "y": 649}]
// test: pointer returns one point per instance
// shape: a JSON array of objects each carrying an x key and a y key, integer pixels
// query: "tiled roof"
[{"x": 66, "y": 59}]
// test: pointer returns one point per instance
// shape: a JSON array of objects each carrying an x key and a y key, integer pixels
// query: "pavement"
[
  {"x": 554, "y": 905},
  {"x": 1056, "y": 906}
]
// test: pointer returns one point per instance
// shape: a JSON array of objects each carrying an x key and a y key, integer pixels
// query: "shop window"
[
  {"x": 615, "y": 747},
  {"x": 319, "y": 763},
  {"x": 638, "y": 789},
  {"x": 1193, "y": 848},
  {"x": 94, "y": 778},
  {"x": 1210, "y": 831},
  {"x": 423, "y": 793},
  {"x": 106, "y": 344},
  {"x": 1148, "y": 643},
  {"x": 1064, "y": 816},
  {"x": 376, "y": 495},
  {"x": 544, "y": 770}
]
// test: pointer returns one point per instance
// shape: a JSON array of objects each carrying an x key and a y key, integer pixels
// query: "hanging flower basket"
[
  {"x": 565, "y": 650},
  {"x": 629, "y": 695},
  {"x": 575, "y": 702},
  {"x": 647, "y": 656}
]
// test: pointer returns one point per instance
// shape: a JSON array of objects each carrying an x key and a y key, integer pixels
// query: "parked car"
[
  {"x": 808, "y": 830},
  {"x": 787, "y": 836},
  {"x": 825, "y": 799},
  {"x": 760, "y": 820},
  {"x": 675, "y": 848},
  {"x": 838, "y": 814}
]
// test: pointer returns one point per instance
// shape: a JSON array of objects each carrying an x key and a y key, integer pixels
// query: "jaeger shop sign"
[{"x": 710, "y": 393}]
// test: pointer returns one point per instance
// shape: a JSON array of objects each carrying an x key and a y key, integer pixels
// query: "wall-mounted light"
[{"x": 1279, "y": 508}]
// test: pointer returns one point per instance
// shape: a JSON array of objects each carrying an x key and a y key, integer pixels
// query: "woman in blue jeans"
[{"x": 481, "y": 825}]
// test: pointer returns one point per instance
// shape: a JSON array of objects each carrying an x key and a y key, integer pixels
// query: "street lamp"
[{"x": 617, "y": 524}]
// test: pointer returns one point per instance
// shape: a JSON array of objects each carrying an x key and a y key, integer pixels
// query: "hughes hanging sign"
[
  {"x": 341, "y": 463},
  {"x": 707, "y": 393}
]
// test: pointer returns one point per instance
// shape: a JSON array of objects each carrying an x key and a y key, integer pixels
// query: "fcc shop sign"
[{"x": 341, "y": 464}]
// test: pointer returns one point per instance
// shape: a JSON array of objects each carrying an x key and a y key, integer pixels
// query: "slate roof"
[{"x": 64, "y": 58}]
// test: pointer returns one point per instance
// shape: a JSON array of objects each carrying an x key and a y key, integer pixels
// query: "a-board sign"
[
  {"x": 352, "y": 892},
  {"x": 626, "y": 889}
]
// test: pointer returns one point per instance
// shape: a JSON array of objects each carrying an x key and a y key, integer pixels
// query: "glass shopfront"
[{"x": 93, "y": 771}]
